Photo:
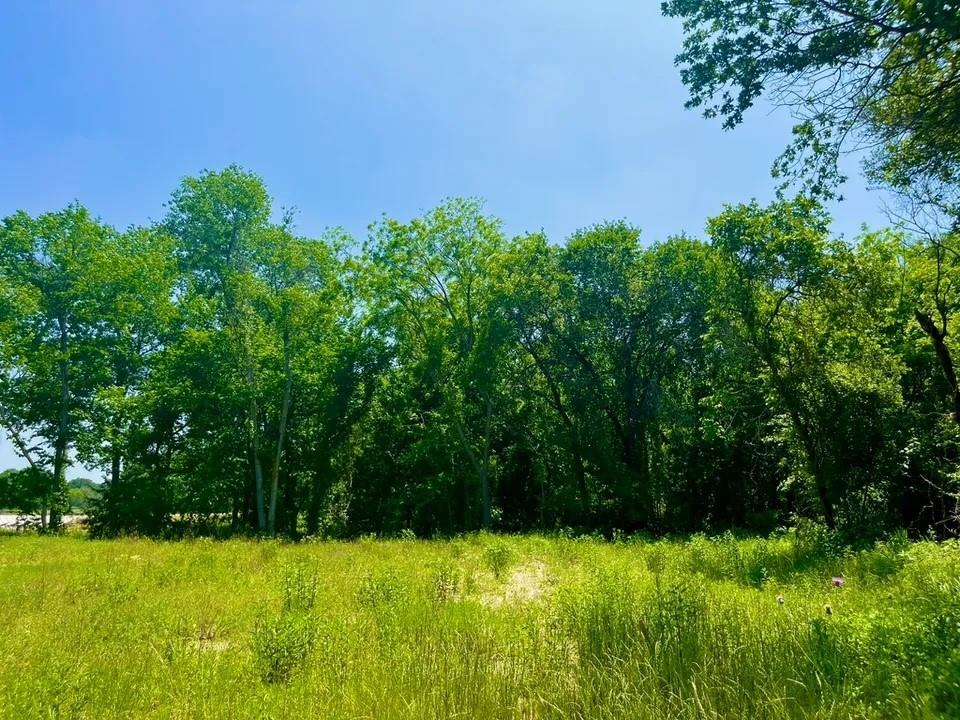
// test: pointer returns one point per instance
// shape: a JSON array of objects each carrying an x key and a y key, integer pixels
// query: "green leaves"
[
  {"x": 51, "y": 349},
  {"x": 219, "y": 367},
  {"x": 215, "y": 218},
  {"x": 436, "y": 304},
  {"x": 857, "y": 74},
  {"x": 823, "y": 328}
]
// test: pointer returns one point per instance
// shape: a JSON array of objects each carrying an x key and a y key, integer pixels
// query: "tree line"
[{"x": 443, "y": 377}]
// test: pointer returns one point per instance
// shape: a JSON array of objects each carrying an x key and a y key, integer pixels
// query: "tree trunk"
[
  {"x": 258, "y": 480},
  {"x": 480, "y": 468},
  {"x": 60, "y": 447},
  {"x": 287, "y": 520},
  {"x": 320, "y": 482},
  {"x": 815, "y": 467},
  {"x": 485, "y": 496},
  {"x": 943, "y": 356},
  {"x": 828, "y": 514},
  {"x": 807, "y": 439},
  {"x": 253, "y": 421},
  {"x": 115, "y": 466},
  {"x": 284, "y": 414},
  {"x": 586, "y": 503},
  {"x": 234, "y": 318}
]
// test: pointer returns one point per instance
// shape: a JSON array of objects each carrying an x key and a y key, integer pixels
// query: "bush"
[
  {"x": 812, "y": 542},
  {"x": 379, "y": 589},
  {"x": 140, "y": 505},
  {"x": 300, "y": 586},
  {"x": 281, "y": 645},
  {"x": 499, "y": 557}
]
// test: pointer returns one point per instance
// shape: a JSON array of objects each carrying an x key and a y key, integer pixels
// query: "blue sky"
[{"x": 559, "y": 114}]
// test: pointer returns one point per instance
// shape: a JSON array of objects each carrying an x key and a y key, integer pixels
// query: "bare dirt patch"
[{"x": 526, "y": 584}]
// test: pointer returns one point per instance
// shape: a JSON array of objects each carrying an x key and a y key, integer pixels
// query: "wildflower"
[
  {"x": 780, "y": 599},
  {"x": 828, "y": 610},
  {"x": 839, "y": 582}
]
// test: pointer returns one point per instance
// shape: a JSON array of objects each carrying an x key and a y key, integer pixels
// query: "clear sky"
[{"x": 560, "y": 114}]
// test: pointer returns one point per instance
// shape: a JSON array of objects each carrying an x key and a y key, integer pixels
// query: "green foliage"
[
  {"x": 30, "y": 491},
  {"x": 50, "y": 348},
  {"x": 603, "y": 617},
  {"x": 230, "y": 376},
  {"x": 81, "y": 494},
  {"x": 499, "y": 556},
  {"x": 446, "y": 583},
  {"x": 381, "y": 589},
  {"x": 282, "y": 642},
  {"x": 881, "y": 74},
  {"x": 300, "y": 585},
  {"x": 281, "y": 645}
]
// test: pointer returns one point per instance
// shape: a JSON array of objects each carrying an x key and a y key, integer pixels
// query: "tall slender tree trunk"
[
  {"x": 121, "y": 376},
  {"x": 815, "y": 465},
  {"x": 234, "y": 310},
  {"x": 479, "y": 467},
  {"x": 287, "y": 520},
  {"x": 586, "y": 502},
  {"x": 254, "y": 421},
  {"x": 115, "y": 465},
  {"x": 284, "y": 414},
  {"x": 63, "y": 423}
]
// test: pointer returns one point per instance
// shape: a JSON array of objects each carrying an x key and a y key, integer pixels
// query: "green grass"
[{"x": 478, "y": 627}]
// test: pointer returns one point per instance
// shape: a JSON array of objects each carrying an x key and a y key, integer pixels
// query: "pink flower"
[{"x": 839, "y": 582}]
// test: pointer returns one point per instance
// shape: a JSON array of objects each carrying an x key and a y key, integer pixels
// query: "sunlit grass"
[{"x": 478, "y": 627}]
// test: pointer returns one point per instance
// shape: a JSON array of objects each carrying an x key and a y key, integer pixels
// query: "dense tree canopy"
[
  {"x": 877, "y": 76},
  {"x": 222, "y": 370}
]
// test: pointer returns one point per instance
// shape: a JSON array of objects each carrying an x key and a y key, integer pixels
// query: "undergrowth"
[{"x": 480, "y": 626}]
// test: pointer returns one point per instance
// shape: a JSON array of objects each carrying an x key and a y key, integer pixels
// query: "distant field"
[{"x": 478, "y": 627}]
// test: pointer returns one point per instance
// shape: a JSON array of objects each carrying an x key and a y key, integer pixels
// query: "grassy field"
[{"x": 478, "y": 627}]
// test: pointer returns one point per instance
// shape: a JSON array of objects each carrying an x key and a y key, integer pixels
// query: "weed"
[
  {"x": 580, "y": 627},
  {"x": 281, "y": 644},
  {"x": 499, "y": 557}
]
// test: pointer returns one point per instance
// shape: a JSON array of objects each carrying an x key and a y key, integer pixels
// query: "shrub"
[
  {"x": 812, "y": 542},
  {"x": 281, "y": 645},
  {"x": 499, "y": 557},
  {"x": 379, "y": 589},
  {"x": 300, "y": 588}
]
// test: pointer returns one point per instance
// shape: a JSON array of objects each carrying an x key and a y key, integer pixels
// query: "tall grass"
[{"x": 479, "y": 627}]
